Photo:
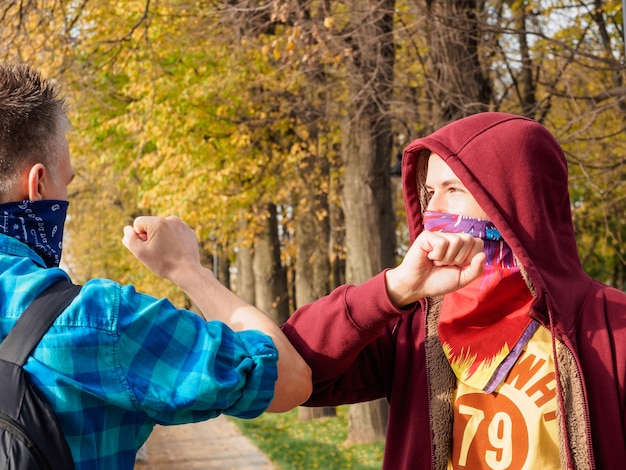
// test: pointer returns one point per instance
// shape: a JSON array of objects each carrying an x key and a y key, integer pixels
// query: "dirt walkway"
[{"x": 213, "y": 444}]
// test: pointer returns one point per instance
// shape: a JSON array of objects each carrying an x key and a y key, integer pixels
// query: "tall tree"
[
  {"x": 366, "y": 153},
  {"x": 312, "y": 247}
]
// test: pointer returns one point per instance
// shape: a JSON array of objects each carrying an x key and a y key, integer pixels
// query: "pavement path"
[{"x": 213, "y": 444}]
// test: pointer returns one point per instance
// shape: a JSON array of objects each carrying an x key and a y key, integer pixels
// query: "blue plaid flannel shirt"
[{"x": 117, "y": 362}]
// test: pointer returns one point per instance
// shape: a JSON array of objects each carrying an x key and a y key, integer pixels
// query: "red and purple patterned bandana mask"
[{"x": 497, "y": 251}]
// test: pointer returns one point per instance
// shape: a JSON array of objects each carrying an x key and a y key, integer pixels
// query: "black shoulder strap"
[{"x": 36, "y": 320}]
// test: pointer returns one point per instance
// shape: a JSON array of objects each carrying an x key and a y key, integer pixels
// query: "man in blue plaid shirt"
[{"x": 116, "y": 362}]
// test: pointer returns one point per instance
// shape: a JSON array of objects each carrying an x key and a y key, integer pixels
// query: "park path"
[{"x": 213, "y": 444}]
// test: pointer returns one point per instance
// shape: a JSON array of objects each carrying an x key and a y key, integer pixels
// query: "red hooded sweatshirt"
[{"x": 360, "y": 347}]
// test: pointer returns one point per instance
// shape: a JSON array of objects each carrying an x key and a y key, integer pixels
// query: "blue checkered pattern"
[{"x": 117, "y": 362}]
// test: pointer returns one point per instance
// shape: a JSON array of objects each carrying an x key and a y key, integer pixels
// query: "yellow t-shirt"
[{"x": 515, "y": 427}]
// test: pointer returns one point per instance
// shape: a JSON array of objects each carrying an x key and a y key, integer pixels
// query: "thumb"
[
  {"x": 473, "y": 270},
  {"x": 132, "y": 238}
]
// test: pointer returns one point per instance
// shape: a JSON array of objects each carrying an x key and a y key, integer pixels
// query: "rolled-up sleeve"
[
  {"x": 259, "y": 392},
  {"x": 179, "y": 368}
]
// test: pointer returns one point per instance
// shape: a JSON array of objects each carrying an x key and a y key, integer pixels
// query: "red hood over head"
[{"x": 517, "y": 172}]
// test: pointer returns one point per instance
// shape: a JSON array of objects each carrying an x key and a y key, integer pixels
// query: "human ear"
[{"x": 36, "y": 177}]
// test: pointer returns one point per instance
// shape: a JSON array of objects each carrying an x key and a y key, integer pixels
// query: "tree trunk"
[
  {"x": 312, "y": 233},
  {"x": 306, "y": 413},
  {"x": 312, "y": 248},
  {"x": 337, "y": 246},
  {"x": 245, "y": 271},
  {"x": 222, "y": 264},
  {"x": 366, "y": 152},
  {"x": 457, "y": 83},
  {"x": 367, "y": 422},
  {"x": 270, "y": 281}
]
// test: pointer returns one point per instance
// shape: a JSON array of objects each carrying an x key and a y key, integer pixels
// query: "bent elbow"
[
  {"x": 306, "y": 386},
  {"x": 292, "y": 391}
]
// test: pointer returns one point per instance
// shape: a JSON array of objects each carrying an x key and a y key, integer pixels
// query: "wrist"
[
  {"x": 398, "y": 292},
  {"x": 187, "y": 276}
]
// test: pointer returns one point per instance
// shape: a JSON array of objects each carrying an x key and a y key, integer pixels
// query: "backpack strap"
[{"x": 36, "y": 320}]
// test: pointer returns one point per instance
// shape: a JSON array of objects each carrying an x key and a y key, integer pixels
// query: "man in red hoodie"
[{"x": 493, "y": 347}]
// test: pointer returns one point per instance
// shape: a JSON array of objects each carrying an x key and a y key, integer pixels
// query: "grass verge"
[{"x": 295, "y": 445}]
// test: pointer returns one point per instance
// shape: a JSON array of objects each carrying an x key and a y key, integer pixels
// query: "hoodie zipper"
[{"x": 426, "y": 307}]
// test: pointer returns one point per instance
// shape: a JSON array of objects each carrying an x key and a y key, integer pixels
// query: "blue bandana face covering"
[{"x": 38, "y": 224}]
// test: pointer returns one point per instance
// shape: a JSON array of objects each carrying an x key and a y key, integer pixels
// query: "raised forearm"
[
  {"x": 216, "y": 302},
  {"x": 169, "y": 248}
]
